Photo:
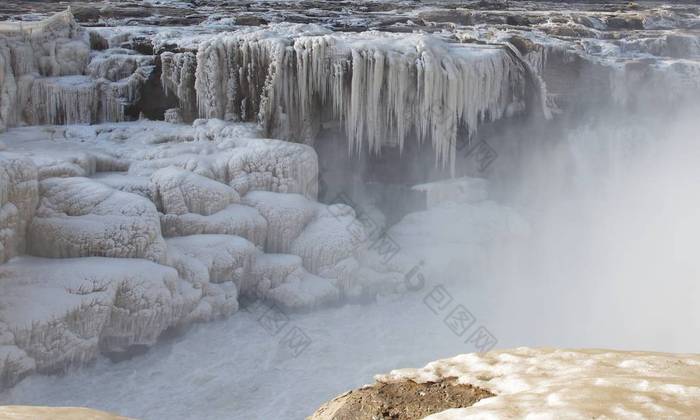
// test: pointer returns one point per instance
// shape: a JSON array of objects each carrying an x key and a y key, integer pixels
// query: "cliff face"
[{"x": 546, "y": 383}]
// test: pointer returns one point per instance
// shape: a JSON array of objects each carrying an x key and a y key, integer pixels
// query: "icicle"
[
  {"x": 382, "y": 87},
  {"x": 46, "y": 76},
  {"x": 178, "y": 78}
]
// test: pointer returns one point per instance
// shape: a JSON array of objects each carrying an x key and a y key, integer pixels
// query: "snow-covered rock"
[
  {"x": 78, "y": 217},
  {"x": 333, "y": 235},
  {"x": 179, "y": 192},
  {"x": 303, "y": 290},
  {"x": 550, "y": 383},
  {"x": 19, "y": 195},
  {"x": 203, "y": 203},
  {"x": 541, "y": 383},
  {"x": 282, "y": 279},
  {"x": 212, "y": 258},
  {"x": 287, "y": 215},
  {"x": 235, "y": 219},
  {"x": 63, "y": 312},
  {"x": 218, "y": 265}
]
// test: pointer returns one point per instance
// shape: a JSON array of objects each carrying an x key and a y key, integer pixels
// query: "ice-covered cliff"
[
  {"x": 112, "y": 234},
  {"x": 49, "y": 75},
  {"x": 384, "y": 88}
]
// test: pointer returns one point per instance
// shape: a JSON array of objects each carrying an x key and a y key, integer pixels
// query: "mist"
[{"x": 609, "y": 259}]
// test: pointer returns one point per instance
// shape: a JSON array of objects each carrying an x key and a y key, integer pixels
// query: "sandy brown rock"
[
  {"x": 26, "y": 412},
  {"x": 405, "y": 400}
]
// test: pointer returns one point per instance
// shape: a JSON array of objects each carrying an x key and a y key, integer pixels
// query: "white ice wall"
[
  {"x": 383, "y": 87},
  {"x": 49, "y": 76}
]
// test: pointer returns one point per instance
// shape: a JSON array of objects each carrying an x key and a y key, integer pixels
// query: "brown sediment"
[{"x": 405, "y": 400}]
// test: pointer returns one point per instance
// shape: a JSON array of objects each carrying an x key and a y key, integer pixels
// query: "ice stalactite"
[
  {"x": 48, "y": 49},
  {"x": 178, "y": 78},
  {"x": 19, "y": 195},
  {"x": 384, "y": 87},
  {"x": 48, "y": 75}
]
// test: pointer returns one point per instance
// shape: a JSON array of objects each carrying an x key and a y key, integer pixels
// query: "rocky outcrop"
[
  {"x": 524, "y": 382},
  {"x": 20, "y": 412}
]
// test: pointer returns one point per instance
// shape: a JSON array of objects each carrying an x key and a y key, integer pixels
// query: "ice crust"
[{"x": 112, "y": 234}]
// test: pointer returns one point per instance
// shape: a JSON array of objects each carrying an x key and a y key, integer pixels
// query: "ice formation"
[
  {"x": 19, "y": 196},
  {"x": 78, "y": 217},
  {"x": 177, "y": 76},
  {"x": 383, "y": 87},
  {"x": 112, "y": 234},
  {"x": 49, "y": 76}
]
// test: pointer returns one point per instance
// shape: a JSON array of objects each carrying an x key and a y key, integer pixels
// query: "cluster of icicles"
[
  {"x": 48, "y": 75},
  {"x": 384, "y": 88}
]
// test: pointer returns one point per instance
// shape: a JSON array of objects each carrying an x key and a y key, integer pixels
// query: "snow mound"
[
  {"x": 78, "y": 217},
  {"x": 456, "y": 235},
  {"x": 128, "y": 183},
  {"x": 551, "y": 383},
  {"x": 459, "y": 190}
]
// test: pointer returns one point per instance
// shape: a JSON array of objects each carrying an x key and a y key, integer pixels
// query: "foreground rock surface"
[
  {"x": 22, "y": 412},
  {"x": 545, "y": 383}
]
